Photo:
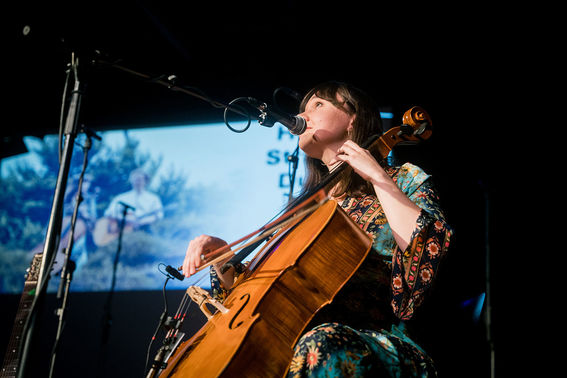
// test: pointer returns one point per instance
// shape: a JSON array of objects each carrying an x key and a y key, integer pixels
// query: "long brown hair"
[{"x": 367, "y": 122}]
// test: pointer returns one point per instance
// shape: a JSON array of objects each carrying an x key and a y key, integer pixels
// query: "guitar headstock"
[{"x": 32, "y": 273}]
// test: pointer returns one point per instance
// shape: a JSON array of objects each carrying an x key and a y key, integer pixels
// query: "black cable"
[
  {"x": 244, "y": 110},
  {"x": 293, "y": 160},
  {"x": 287, "y": 91},
  {"x": 161, "y": 321}
]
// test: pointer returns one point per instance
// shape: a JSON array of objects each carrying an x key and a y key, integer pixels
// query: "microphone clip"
[
  {"x": 268, "y": 117},
  {"x": 264, "y": 118}
]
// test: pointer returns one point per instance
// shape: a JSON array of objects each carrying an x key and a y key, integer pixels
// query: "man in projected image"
[{"x": 144, "y": 208}]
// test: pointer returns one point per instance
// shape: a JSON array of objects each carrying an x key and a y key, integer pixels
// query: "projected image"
[{"x": 148, "y": 190}]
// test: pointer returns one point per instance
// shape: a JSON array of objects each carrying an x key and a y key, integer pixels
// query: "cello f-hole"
[{"x": 231, "y": 324}]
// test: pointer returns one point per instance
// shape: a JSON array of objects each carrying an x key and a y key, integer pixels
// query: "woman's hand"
[
  {"x": 361, "y": 161},
  {"x": 200, "y": 245}
]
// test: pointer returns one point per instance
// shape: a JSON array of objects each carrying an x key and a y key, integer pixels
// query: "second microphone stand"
[
  {"x": 68, "y": 264},
  {"x": 107, "y": 318}
]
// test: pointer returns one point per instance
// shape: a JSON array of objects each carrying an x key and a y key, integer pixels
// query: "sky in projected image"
[{"x": 206, "y": 178}]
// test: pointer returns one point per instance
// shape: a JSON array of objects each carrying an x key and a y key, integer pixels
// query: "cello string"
[
  {"x": 295, "y": 218},
  {"x": 316, "y": 196}
]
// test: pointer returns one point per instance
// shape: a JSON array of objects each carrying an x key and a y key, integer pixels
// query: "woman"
[{"x": 362, "y": 332}]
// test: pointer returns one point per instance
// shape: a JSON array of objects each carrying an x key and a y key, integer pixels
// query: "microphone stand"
[
  {"x": 488, "y": 282},
  {"x": 54, "y": 226},
  {"x": 69, "y": 265},
  {"x": 293, "y": 160},
  {"x": 107, "y": 320}
]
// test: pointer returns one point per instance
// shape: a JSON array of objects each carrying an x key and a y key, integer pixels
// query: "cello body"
[{"x": 270, "y": 306}]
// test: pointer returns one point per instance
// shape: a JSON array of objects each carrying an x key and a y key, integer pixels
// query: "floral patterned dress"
[{"x": 362, "y": 332}]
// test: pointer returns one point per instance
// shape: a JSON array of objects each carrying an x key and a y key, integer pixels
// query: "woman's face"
[{"x": 327, "y": 128}]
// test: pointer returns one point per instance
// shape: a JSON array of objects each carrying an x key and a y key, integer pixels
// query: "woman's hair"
[{"x": 367, "y": 122}]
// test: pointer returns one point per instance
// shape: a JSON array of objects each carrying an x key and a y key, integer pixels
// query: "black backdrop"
[{"x": 446, "y": 60}]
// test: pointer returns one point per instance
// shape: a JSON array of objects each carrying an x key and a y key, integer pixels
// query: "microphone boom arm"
[{"x": 267, "y": 117}]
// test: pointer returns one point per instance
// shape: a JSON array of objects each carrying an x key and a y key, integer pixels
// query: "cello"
[{"x": 311, "y": 252}]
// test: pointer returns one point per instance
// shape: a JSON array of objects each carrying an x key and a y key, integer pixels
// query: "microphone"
[
  {"x": 126, "y": 206},
  {"x": 268, "y": 117},
  {"x": 90, "y": 133},
  {"x": 172, "y": 271}
]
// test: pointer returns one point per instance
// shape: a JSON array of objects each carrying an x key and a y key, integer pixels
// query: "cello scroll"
[
  {"x": 417, "y": 119},
  {"x": 415, "y": 129}
]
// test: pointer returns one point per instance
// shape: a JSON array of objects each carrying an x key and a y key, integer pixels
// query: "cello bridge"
[{"x": 202, "y": 297}]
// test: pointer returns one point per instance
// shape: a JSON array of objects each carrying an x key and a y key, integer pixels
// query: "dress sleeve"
[
  {"x": 414, "y": 270},
  {"x": 218, "y": 292}
]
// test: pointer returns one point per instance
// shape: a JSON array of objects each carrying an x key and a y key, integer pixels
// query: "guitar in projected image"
[{"x": 107, "y": 229}]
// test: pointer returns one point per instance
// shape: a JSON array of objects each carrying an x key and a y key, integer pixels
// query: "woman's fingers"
[
  {"x": 350, "y": 150},
  {"x": 190, "y": 263},
  {"x": 360, "y": 159},
  {"x": 196, "y": 248}
]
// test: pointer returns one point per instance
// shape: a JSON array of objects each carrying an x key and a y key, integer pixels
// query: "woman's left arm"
[
  {"x": 401, "y": 212},
  {"x": 422, "y": 235}
]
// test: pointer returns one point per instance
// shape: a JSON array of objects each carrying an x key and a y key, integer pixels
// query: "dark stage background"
[{"x": 444, "y": 60}]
